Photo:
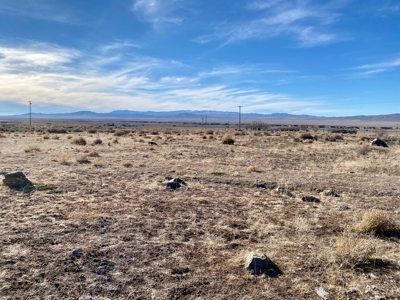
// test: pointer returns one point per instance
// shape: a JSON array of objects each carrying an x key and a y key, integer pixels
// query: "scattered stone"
[
  {"x": 256, "y": 264},
  {"x": 260, "y": 185},
  {"x": 310, "y": 199},
  {"x": 283, "y": 190},
  {"x": 349, "y": 293},
  {"x": 153, "y": 143},
  {"x": 174, "y": 183},
  {"x": 77, "y": 251},
  {"x": 321, "y": 292},
  {"x": 343, "y": 207},
  {"x": 17, "y": 181},
  {"x": 380, "y": 143},
  {"x": 370, "y": 288},
  {"x": 330, "y": 193}
]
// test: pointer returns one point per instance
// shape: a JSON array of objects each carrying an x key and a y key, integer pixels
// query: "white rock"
[{"x": 321, "y": 292}]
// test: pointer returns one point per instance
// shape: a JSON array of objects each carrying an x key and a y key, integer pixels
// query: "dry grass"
[
  {"x": 83, "y": 159},
  {"x": 32, "y": 149},
  {"x": 127, "y": 163},
  {"x": 251, "y": 169},
  {"x": 376, "y": 221},
  {"x": 227, "y": 139},
  {"x": 79, "y": 141},
  {"x": 97, "y": 142},
  {"x": 64, "y": 159},
  {"x": 353, "y": 249},
  {"x": 98, "y": 163},
  {"x": 141, "y": 240},
  {"x": 94, "y": 154}
]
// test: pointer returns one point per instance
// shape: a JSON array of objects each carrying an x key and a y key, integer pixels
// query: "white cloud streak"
[
  {"x": 49, "y": 75},
  {"x": 301, "y": 20},
  {"x": 49, "y": 10},
  {"x": 381, "y": 67},
  {"x": 158, "y": 12}
]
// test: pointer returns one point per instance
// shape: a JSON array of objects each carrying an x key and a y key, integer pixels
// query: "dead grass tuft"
[
  {"x": 94, "y": 154},
  {"x": 83, "y": 159},
  {"x": 353, "y": 249},
  {"x": 98, "y": 163},
  {"x": 251, "y": 169},
  {"x": 364, "y": 150},
  {"x": 375, "y": 221},
  {"x": 32, "y": 149},
  {"x": 127, "y": 163},
  {"x": 227, "y": 140},
  {"x": 97, "y": 142},
  {"x": 79, "y": 141}
]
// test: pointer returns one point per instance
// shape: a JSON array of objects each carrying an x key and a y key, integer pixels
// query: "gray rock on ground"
[
  {"x": 379, "y": 142},
  {"x": 329, "y": 192},
  {"x": 17, "y": 181},
  {"x": 174, "y": 183},
  {"x": 343, "y": 207},
  {"x": 283, "y": 190},
  {"x": 256, "y": 264},
  {"x": 310, "y": 199},
  {"x": 321, "y": 292},
  {"x": 77, "y": 251}
]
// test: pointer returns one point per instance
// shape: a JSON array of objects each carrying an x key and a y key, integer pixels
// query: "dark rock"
[
  {"x": 17, "y": 181},
  {"x": 310, "y": 199},
  {"x": 153, "y": 143},
  {"x": 77, "y": 251},
  {"x": 260, "y": 185},
  {"x": 256, "y": 264},
  {"x": 330, "y": 193},
  {"x": 380, "y": 143},
  {"x": 284, "y": 190},
  {"x": 175, "y": 183},
  {"x": 343, "y": 207},
  {"x": 352, "y": 292}
]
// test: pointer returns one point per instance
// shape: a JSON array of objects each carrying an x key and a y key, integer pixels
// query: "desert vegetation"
[{"x": 101, "y": 222}]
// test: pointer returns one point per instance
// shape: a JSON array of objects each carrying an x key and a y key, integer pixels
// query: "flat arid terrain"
[{"x": 101, "y": 221}]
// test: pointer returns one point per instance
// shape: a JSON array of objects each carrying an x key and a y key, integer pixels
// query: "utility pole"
[
  {"x": 206, "y": 122},
  {"x": 240, "y": 115},
  {"x": 202, "y": 123},
  {"x": 30, "y": 113}
]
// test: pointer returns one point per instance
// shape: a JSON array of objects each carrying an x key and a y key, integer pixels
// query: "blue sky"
[{"x": 330, "y": 58}]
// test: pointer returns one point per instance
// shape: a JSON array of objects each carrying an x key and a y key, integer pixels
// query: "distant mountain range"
[{"x": 195, "y": 115}]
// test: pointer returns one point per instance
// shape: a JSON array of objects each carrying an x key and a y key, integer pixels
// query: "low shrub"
[
  {"x": 228, "y": 140},
  {"x": 57, "y": 130},
  {"x": 79, "y": 141},
  {"x": 353, "y": 249},
  {"x": 127, "y": 164},
  {"x": 32, "y": 149},
  {"x": 83, "y": 159},
  {"x": 375, "y": 221},
  {"x": 252, "y": 169},
  {"x": 121, "y": 132},
  {"x": 97, "y": 142}
]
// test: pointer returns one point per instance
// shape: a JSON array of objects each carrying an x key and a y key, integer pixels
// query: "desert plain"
[{"x": 101, "y": 222}]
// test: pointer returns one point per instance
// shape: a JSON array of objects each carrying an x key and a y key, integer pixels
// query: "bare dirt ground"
[{"x": 142, "y": 240}]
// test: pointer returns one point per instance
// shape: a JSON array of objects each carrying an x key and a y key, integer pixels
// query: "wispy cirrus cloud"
[
  {"x": 375, "y": 68},
  {"x": 50, "y": 75},
  {"x": 118, "y": 45},
  {"x": 50, "y": 10},
  {"x": 305, "y": 21},
  {"x": 158, "y": 12}
]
